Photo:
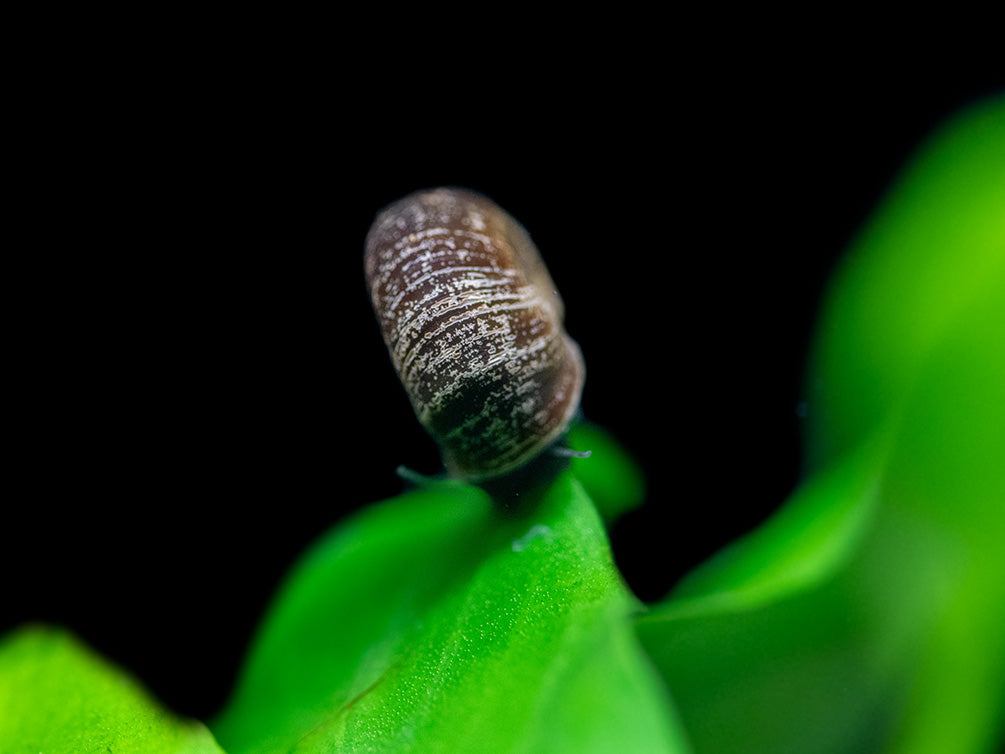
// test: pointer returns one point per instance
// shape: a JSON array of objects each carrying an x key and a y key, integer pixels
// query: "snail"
[{"x": 474, "y": 327}]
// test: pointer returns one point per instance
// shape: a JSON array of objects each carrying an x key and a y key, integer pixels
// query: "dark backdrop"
[{"x": 199, "y": 386}]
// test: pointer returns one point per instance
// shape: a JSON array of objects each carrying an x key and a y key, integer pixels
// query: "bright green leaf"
[
  {"x": 931, "y": 245},
  {"x": 436, "y": 623},
  {"x": 807, "y": 541},
  {"x": 869, "y": 614},
  {"x": 611, "y": 477},
  {"x": 57, "y": 697}
]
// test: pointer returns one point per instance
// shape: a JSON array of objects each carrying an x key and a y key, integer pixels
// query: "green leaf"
[
  {"x": 57, "y": 697},
  {"x": 611, "y": 477},
  {"x": 935, "y": 241},
  {"x": 434, "y": 622},
  {"x": 869, "y": 614},
  {"x": 809, "y": 539}
]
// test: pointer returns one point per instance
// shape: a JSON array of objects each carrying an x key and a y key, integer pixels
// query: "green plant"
[{"x": 867, "y": 615}]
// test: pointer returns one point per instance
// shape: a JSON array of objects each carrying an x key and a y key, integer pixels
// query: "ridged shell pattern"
[{"x": 474, "y": 327}]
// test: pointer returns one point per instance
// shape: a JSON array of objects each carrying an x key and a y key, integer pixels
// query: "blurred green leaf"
[
  {"x": 435, "y": 622},
  {"x": 869, "y": 614},
  {"x": 911, "y": 274},
  {"x": 57, "y": 697},
  {"x": 808, "y": 540},
  {"x": 611, "y": 477}
]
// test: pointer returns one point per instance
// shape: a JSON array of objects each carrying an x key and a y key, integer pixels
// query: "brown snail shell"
[{"x": 474, "y": 327}]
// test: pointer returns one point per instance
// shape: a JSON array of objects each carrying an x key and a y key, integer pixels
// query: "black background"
[{"x": 197, "y": 386}]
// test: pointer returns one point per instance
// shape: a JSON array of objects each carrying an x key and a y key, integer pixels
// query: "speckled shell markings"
[{"x": 474, "y": 327}]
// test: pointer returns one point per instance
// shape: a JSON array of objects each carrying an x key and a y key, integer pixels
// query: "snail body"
[{"x": 473, "y": 324}]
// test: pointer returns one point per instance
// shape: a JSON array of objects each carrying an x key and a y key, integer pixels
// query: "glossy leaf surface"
[{"x": 435, "y": 622}]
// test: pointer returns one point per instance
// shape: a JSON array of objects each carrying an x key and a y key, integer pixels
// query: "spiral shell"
[{"x": 473, "y": 324}]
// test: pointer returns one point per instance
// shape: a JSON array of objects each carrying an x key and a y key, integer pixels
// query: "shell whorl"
[{"x": 473, "y": 324}]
